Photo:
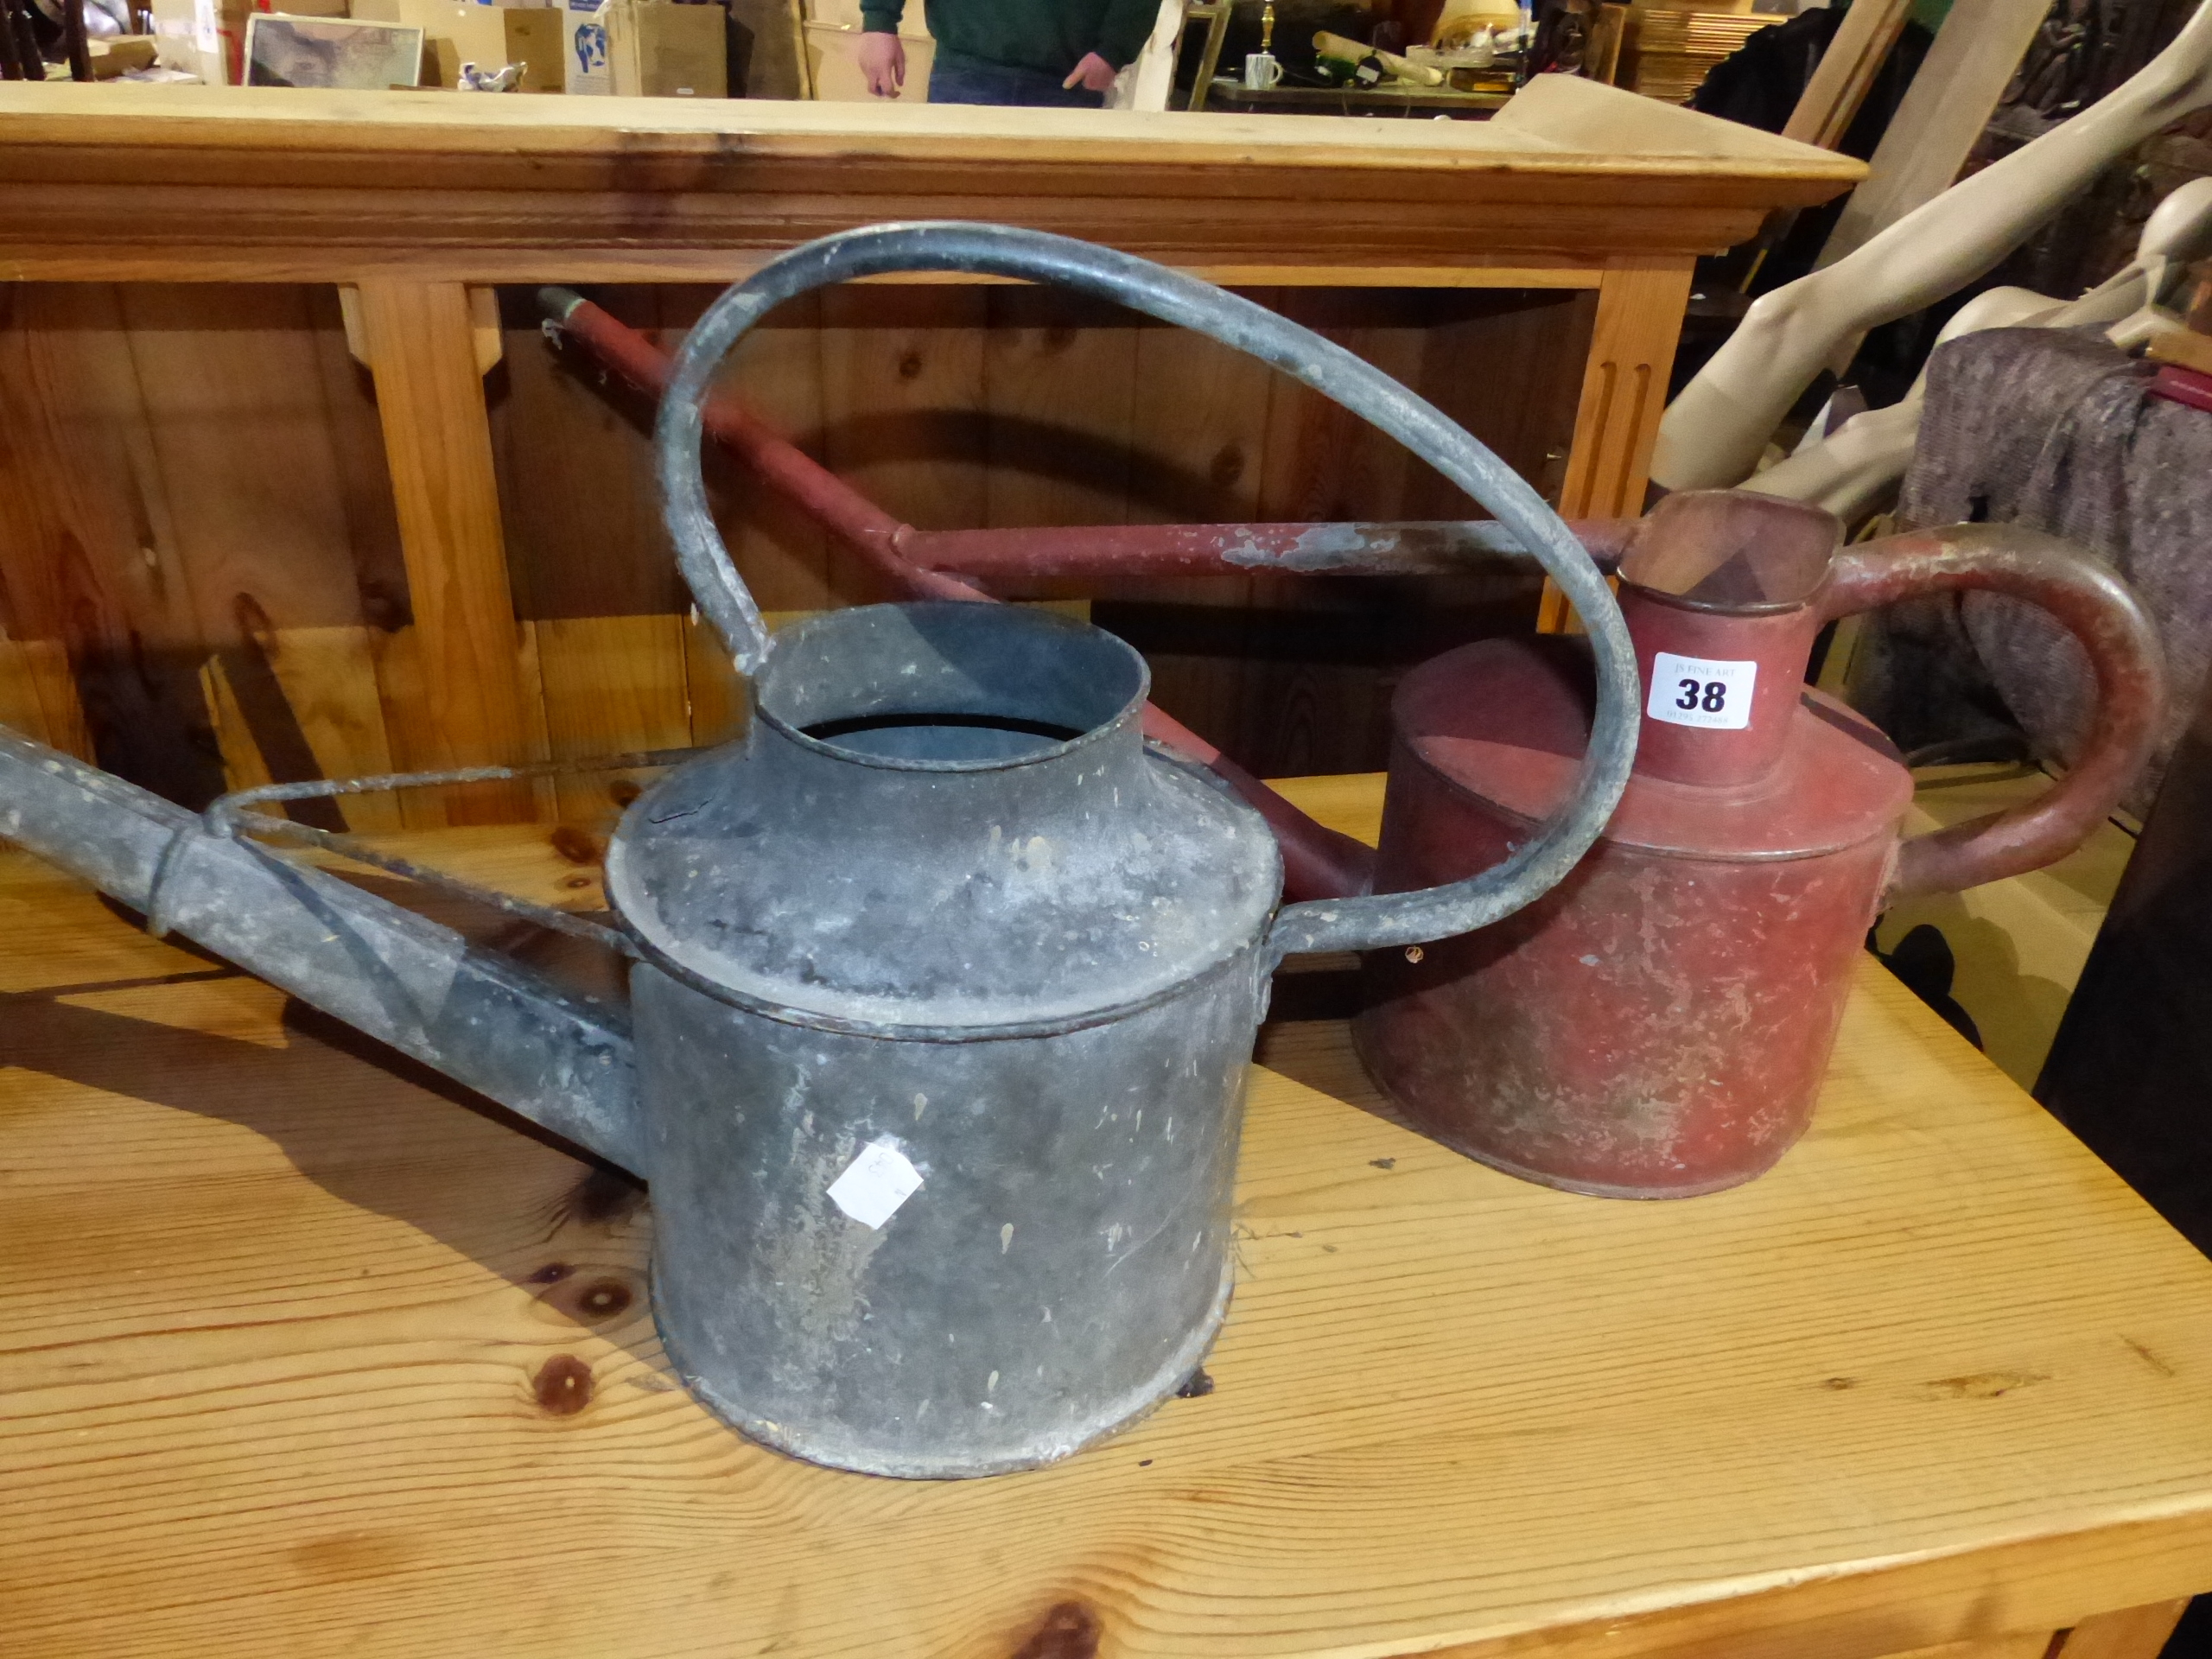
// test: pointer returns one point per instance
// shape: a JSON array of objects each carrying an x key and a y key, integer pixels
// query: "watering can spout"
[{"x": 561, "y": 1060}]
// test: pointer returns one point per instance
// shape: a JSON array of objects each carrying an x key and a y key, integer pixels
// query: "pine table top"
[{"x": 302, "y": 1352}]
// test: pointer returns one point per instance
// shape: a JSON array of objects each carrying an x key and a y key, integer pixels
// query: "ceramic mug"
[{"x": 1262, "y": 70}]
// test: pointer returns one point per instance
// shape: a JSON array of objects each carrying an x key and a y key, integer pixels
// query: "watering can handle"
[
  {"x": 2102, "y": 615},
  {"x": 1369, "y": 923}
]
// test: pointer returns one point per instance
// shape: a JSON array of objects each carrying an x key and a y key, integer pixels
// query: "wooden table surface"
[{"x": 303, "y": 1354}]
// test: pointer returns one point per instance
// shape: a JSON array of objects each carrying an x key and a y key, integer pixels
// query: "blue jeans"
[{"x": 967, "y": 80}]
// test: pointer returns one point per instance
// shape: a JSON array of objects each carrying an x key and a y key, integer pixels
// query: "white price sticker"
[
  {"x": 875, "y": 1184},
  {"x": 1696, "y": 691}
]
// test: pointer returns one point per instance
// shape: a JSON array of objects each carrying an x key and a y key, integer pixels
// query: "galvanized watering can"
[{"x": 943, "y": 984}]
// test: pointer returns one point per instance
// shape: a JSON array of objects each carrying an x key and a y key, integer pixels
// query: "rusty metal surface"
[
  {"x": 2105, "y": 620},
  {"x": 1079, "y": 552},
  {"x": 1098, "y": 552},
  {"x": 1657, "y": 1026}
]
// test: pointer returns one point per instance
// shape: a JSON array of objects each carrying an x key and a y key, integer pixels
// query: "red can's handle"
[{"x": 2090, "y": 603}]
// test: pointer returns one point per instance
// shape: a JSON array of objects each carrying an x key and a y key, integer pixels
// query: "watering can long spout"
[{"x": 482, "y": 1018}]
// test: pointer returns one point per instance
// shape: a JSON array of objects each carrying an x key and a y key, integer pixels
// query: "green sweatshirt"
[{"x": 1048, "y": 35}]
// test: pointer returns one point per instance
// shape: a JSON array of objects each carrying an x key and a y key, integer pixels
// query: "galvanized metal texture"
[
  {"x": 225, "y": 817},
  {"x": 477, "y": 1016},
  {"x": 942, "y": 869},
  {"x": 1062, "y": 1269},
  {"x": 1318, "y": 862},
  {"x": 942, "y": 913},
  {"x": 1325, "y": 924},
  {"x": 942, "y": 824},
  {"x": 949, "y": 984}
]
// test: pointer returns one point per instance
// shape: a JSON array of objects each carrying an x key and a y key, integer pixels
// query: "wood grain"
[
  {"x": 244, "y": 765},
  {"x": 1059, "y": 397},
  {"x": 236, "y": 425},
  {"x": 303, "y": 1355},
  {"x": 1499, "y": 367},
  {"x": 902, "y": 409},
  {"x": 776, "y": 371},
  {"x": 1840, "y": 84},
  {"x": 244, "y": 431},
  {"x": 580, "y": 517},
  {"x": 93, "y": 560},
  {"x": 39, "y": 698},
  {"x": 1321, "y": 462},
  {"x": 612, "y": 684},
  {"x": 714, "y": 696},
  {"x": 1623, "y": 394},
  {"x": 623, "y": 189},
  {"x": 470, "y": 711},
  {"x": 1625, "y": 388},
  {"x": 328, "y": 679},
  {"x": 2130, "y": 1633}
]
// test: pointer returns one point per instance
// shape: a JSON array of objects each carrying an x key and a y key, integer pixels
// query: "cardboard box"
[
  {"x": 488, "y": 36},
  {"x": 585, "y": 69},
  {"x": 118, "y": 55},
  {"x": 768, "y": 56},
  {"x": 660, "y": 49},
  {"x": 204, "y": 38}
]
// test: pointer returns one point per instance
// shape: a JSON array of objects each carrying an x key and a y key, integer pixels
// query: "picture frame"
[{"x": 331, "y": 53}]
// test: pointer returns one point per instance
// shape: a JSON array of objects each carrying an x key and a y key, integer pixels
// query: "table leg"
[
  {"x": 1640, "y": 306},
  {"x": 420, "y": 342},
  {"x": 2130, "y": 1633}
]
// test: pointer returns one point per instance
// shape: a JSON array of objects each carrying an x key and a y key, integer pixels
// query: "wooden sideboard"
[{"x": 266, "y": 517}]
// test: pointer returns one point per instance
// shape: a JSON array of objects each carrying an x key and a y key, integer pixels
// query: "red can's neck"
[
  {"x": 1720, "y": 690},
  {"x": 1719, "y": 590}
]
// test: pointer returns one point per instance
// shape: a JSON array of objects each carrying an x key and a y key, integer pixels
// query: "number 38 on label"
[{"x": 1698, "y": 692}]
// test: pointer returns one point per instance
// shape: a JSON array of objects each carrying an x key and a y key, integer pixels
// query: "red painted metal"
[
  {"x": 1658, "y": 1025},
  {"x": 1095, "y": 552},
  {"x": 1082, "y": 553},
  {"x": 2123, "y": 655},
  {"x": 1318, "y": 862}
]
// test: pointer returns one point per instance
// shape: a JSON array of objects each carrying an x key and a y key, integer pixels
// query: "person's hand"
[
  {"x": 1094, "y": 74},
  {"x": 883, "y": 61}
]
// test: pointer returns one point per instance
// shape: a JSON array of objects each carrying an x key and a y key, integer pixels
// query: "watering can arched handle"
[
  {"x": 2091, "y": 604},
  {"x": 1374, "y": 922}
]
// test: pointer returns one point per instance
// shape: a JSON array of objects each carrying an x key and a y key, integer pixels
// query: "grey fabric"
[{"x": 2051, "y": 429}]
